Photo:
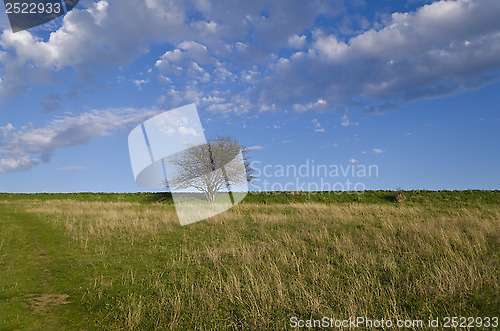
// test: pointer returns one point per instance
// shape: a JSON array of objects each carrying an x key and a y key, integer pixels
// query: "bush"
[{"x": 399, "y": 196}]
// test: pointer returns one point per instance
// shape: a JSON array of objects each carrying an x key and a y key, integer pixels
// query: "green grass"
[{"x": 121, "y": 261}]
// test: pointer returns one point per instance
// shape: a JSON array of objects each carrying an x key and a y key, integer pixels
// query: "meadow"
[{"x": 121, "y": 261}]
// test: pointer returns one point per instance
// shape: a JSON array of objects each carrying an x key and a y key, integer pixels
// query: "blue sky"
[{"x": 409, "y": 87}]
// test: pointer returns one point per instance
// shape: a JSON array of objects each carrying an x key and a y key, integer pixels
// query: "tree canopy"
[{"x": 222, "y": 162}]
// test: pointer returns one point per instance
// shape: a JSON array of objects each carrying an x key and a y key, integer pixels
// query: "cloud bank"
[
  {"x": 23, "y": 148},
  {"x": 441, "y": 48}
]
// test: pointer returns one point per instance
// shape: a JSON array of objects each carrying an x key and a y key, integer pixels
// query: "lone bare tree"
[{"x": 211, "y": 167}]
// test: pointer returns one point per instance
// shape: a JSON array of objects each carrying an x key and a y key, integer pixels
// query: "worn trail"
[{"x": 30, "y": 297}]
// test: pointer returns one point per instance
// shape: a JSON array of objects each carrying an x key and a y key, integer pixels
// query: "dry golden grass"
[
  {"x": 256, "y": 265},
  {"x": 91, "y": 220}
]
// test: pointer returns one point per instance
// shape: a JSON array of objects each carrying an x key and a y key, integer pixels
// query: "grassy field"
[{"x": 122, "y": 261}]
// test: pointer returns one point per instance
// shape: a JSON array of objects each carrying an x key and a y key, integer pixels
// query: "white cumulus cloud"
[{"x": 23, "y": 148}]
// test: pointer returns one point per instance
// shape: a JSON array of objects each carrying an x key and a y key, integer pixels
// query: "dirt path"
[{"x": 29, "y": 298}]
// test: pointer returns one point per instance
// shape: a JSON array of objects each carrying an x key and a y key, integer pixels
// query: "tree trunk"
[{"x": 210, "y": 196}]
